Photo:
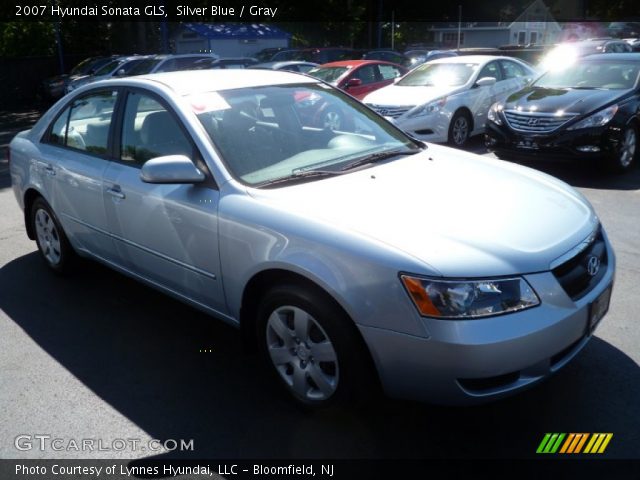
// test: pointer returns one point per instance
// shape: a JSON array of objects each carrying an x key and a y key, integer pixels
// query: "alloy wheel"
[
  {"x": 628, "y": 148},
  {"x": 460, "y": 130},
  {"x": 48, "y": 237}
]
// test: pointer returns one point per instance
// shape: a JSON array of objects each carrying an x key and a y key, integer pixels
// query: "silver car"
[{"x": 351, "y": 259}]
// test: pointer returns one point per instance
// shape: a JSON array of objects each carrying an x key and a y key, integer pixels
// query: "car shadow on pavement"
[{"x": 142, "y": 353}]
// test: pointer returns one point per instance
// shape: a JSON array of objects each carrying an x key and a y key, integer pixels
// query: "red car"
[{"x": 358, "y": 77}]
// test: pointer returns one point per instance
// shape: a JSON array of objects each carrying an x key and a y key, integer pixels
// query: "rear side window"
[
  {"x": 389, "y": 72},
  {"x": 149, "y": 130},
  {"x": 85, "y": 124}
]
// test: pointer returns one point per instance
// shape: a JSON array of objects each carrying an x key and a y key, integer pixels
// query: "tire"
[
  {"x": 52, "y": 242},
  {"x": 326, "y": 363},
  {"x": 624, "y": 158},
  {"x": 459, "y": 129}
]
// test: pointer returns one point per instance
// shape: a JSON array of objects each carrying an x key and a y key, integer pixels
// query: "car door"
[
  {"x": 368, "y": 76},
  {"x": 164, "y": 233},
  {"x": 75, "y": 154},
  {"x": 484, "y": 97},
  {"x": 515, "y": 77}
]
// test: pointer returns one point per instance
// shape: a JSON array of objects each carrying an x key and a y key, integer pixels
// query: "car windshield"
[
  {"x": 84, "y": 66},
  {"x": 144, "y": 66},
  {"x": 267, "y": 134},
  {"x": 439, "y": 75},
  {"x": 614, "y": 75},
  {"x": 328, "y": 74},
  {"x": 108, "y": 68}
]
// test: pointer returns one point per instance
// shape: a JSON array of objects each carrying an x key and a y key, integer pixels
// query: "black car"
[{"x": 590, "y": 109}]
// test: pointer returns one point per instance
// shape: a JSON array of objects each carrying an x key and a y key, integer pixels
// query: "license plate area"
[
  {"x": 598, "y": 309},
  {"x": 526, "y": 143}
]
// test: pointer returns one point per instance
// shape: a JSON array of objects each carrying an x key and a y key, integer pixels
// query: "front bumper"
[
  {"x": 473, "y": 361},
  {"x": 427, "y": 128},
  {"x": 563, "y": 145}
]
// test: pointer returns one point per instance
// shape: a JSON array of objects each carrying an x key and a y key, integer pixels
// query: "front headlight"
[
  {"x": 465, "y": 299},
  {"x": 494, "y": 113},
  {"x": 598, "y": 119},
  {"x": 428, "y": 108}
]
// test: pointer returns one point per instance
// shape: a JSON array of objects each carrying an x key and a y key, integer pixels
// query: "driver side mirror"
[
  {"x": 486, "y": 82},
  {"x": 353, "y": 82},
  {"x": 171, "y": 169}
]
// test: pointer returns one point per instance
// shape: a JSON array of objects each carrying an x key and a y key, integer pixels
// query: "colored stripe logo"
[{"x": 574, "y": 443}]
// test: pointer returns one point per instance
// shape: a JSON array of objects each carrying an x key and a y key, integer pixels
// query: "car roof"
[
  {"x": 471, "y": 59},
  {"x": 188, "y": 82},
  {"x": 355, "y": 63}
]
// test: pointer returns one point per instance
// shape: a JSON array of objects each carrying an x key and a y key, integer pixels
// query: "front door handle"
[
  {"x": 116, "y": 192},
  {"x": 49, "y": 170}
]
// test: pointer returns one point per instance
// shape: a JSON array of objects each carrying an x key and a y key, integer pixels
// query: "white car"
[{"x": 447, "y": 100}]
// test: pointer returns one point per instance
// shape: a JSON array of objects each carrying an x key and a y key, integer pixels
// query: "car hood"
[
  {"x": 458, "y": 214},
  {"x": 407, "y": 96},
  {"x": 552, "y": 100}
]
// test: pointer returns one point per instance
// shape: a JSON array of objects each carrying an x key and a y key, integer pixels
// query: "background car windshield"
[
  {"x": 143, "y": 66},
  {"x": 108, "y": 68},
  {"x": 328, "y": 74},
  {"x": 439, "y": 75},
  {"x": 267, "y": 133},
  {"x": 614, "y": 75}
]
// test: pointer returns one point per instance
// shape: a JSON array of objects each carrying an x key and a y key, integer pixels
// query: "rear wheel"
[
  {"x": 312, "y": 347},
  {"x": 627, "y": 152},
  {"x": 52, "y": 242}
]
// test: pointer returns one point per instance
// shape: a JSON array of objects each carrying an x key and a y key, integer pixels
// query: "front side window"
[
  {"x": 491, "y": 69},
  {"x": 85, "y": 124},
  {"x": 389, "y": 72},
  {"x": 366, "y": 74},
  {"x": 512, "y": 69},
  {"x": 149, "y": 130},
  {"x": 275, "y": 132},
  {"x": 328, "y": 74}
]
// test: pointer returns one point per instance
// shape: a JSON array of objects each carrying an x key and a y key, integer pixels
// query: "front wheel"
[
  {"x": 312, "y": 346},
  {"x": 459, "y": 129},
  {"x": 52, "y": 242},
  {"x": 624, "y": 158}
]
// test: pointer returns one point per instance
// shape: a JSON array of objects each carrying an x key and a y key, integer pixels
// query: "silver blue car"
[{"x": 351, "y": 258}]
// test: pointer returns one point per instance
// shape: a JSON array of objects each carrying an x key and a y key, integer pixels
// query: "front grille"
[
  {"x": 535, "y": 122},
  {"x": 390, "y": 111},
  {"x": 574, "y": 275}
]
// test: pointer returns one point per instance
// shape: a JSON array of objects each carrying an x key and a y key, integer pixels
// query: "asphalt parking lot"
[{"x": 97, "y": 355}]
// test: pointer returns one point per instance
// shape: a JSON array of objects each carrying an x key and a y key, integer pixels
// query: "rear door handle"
[{"x": 116, "y": 192}]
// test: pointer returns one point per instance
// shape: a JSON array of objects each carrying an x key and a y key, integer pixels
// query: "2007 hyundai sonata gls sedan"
[{"x": 346, "y": 255}]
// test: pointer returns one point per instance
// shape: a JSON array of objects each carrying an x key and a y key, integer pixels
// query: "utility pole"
[
  {"x": 393, "y": 29},
  {"x": 459, "y": 24}
]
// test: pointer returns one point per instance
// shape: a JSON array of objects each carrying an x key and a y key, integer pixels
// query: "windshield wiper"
[
  {"x": 297, "y": 175},
  {"x": 377, "y": 157}
]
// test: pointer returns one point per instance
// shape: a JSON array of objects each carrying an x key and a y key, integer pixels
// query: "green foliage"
[{"x": 21, "y": 39}]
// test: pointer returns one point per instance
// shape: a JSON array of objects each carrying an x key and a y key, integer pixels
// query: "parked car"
[
  {"x": 54, "y": 87},
  {"x": 224, "y": 63},
  {"x": 570, "y": 52},
  {"x": 348, "y": 257},
  {"x": 418, "y": 57},
  {"x": 447, "y": 100},
  {"x": 589, "y": 110},
  {"x": 358, "y": 77},
  {"x": 171, "y": 63},
  {"x": 266, "y": 54},
  {"x": 118, "y": 67},
  {"x": 390, "y": 56},
  {"x": 624, "y": 29},
  {"x": 289, "y": 66},
  {"x": 634, "y": 43},
  {"x": 316, "y": 55}
]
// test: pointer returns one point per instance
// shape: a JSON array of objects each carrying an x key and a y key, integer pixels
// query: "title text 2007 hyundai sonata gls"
[{"x": 350, "y": 257}]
